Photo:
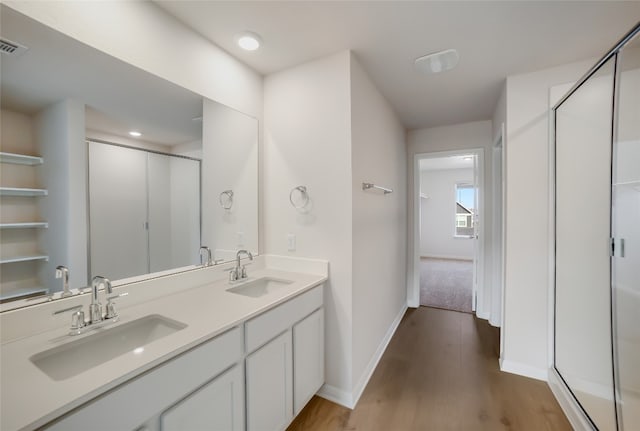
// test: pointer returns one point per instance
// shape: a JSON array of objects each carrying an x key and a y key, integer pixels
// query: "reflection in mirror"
[
  {"x": 230, "y": 158},
  {"x": 147, "y": 200},
  {"x": 67, "y": 110}
]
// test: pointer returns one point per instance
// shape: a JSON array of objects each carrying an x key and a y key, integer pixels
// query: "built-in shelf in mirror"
[
  {"x": 19, "y": 191},
  {"x": 25, "y": 225},
  {"x": 23, "y": 258},
  {"x": 23, "y": 292},
  {"x": 20, "y": 159}
]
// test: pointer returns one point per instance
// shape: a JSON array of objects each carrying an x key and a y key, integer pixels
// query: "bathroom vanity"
[{"x": 189, "y": 349}]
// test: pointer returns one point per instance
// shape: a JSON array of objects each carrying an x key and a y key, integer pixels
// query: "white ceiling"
[
  {"x": 494, "y": 39},
  {"x": 123, "y": 98}
]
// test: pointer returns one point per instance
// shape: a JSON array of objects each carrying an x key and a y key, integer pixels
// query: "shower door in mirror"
[
  {"x": 583, "y": 339},
  {"x": 626, "y": 233},
  {"x": 144, "y": 211}
]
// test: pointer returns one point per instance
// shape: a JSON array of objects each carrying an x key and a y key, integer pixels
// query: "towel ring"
[
  {"x": 304, "y": 197},
  {"x": 226, "y": 199}
]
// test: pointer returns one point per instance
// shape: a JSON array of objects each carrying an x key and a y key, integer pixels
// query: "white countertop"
[{"x": 30, "y": 398}]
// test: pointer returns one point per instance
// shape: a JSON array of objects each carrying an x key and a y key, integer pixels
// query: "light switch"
[
  {"x": 240, "y": 238},
  {"x": 291, "y": 241}
]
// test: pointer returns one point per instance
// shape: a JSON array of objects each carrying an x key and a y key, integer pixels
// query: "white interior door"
[{"x": 117, "y": 211}]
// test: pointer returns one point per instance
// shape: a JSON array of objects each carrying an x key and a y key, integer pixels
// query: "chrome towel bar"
[{"x": 366, "y": 186}]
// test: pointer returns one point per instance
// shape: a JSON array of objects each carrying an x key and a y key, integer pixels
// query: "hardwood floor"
[{"x": 440, "y": 372}]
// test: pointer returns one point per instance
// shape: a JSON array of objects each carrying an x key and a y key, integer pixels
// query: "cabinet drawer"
[
  {"x": 157, "y": 389},
  {"x": 261, "y": 329}
]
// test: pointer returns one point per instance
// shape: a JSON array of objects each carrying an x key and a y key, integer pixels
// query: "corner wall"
[
  {"x": 307, "y": 141},
  {"x": 379, "y": 224},
  {"x": 528, "y": 242}
]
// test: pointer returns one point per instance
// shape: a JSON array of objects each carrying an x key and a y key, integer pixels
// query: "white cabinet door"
[
  {"x": 269, "y": 386},
  {"x": 308, "y": 359},
  {"x": 217, "y": 406}
]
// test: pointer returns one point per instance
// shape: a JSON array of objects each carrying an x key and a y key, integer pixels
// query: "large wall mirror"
[{"x": 78, "y": 190}]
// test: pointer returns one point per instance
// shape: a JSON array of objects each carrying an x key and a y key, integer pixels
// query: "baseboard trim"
[
  {"x": 448, "y": 257},
  {"x": 350, "y": 399},
  {"x": 523, "y": 370},
  {"x": 336, "y": 395},
  {"x": 482, "y": 315},
  {"x": 571, "y": 409},
  {"x": 375, "y": 359}
]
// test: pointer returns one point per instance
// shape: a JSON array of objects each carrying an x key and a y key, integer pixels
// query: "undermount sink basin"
[
  {"x": 259, "y": 287},
  {"x": 77, "y": 356}
]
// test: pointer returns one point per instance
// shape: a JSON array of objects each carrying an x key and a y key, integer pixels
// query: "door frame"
[
  {"x": 499, "y": 228},
  {"x": 413, "y": 286}
]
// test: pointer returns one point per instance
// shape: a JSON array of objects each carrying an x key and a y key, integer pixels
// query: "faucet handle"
[
  {"x": 77, "y": 319},
  {"x": 243, "y": 273},
  {"x": 111, "y": 312},
  {"x": 233, "y": 274}
]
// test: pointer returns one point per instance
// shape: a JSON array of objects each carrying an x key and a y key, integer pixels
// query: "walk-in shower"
[{"x": 597, "y": 239}]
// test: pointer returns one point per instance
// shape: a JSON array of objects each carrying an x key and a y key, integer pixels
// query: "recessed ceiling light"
[
  {"x": 249, "y": 41},
  {"x": 438, "y": 61},
  {"x": 135, "y": 134}
]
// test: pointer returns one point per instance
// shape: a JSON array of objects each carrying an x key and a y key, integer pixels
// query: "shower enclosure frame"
[{"x": 612, "y": 53}]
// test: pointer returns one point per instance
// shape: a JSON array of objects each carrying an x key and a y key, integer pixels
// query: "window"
[{"x": 465, "y": 203}]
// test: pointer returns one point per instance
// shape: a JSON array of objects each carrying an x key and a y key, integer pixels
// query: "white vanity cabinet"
[
  {"x": 218, "y": 405},
  {"x": 254, "y": 377},
  {"x": 308, "y": 357},
  {"x": 285, "y": 362},
  {"x": 269, "y": 385},
  {"x": 207, "y": 379}
]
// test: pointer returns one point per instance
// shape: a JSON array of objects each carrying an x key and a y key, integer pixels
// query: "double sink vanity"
[{"x": 187, "y": 350}]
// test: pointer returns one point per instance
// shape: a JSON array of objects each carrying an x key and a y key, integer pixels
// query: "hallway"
[{"x": 440, "y": 372}]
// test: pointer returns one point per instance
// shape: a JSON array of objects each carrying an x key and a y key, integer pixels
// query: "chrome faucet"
[
  {"x": 95, "y": 312},
  {"x": 239, "y": 272},
  {"x": 207, "y": 251},
  {"x": 63, "y": 273}
]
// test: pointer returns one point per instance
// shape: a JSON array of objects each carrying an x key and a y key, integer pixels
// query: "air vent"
[{"x": 11, "y": 48}]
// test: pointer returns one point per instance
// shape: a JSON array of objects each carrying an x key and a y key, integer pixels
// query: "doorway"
[{"x": 449, "y": 253}]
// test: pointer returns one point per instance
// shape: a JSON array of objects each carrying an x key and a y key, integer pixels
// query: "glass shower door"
[
  {"x": 583, "y": 339},
  {"x": 626, "y": 231}
]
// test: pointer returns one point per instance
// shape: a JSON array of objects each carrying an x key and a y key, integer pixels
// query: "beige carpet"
[{"x": 446, "y": 283}]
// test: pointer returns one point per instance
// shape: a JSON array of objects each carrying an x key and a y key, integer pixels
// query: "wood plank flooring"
[{"x": 440, "y": 372}]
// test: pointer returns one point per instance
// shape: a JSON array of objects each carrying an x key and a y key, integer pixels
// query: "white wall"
[
  {"x": 60, "y": 140},
  {"x": 379, "y": 223},
  {"x": 527, "y": 239},
  {"x": 476, "y": 134},
  {"x": 145, "y": 36},
  {"x": 229, "y": 162},
  {"x": 437, "y": 220},
  {"x": 307, "y": 142}
]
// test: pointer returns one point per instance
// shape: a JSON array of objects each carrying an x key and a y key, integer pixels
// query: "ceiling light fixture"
[
  {"x": 135, "y": 134},
  {"x": 249, "y": 41},
  {"x": 438, "y": 61},
  {"x": 467, "y": 158}
]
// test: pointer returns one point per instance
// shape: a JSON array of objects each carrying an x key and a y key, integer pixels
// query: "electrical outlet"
[
  {"x": 240, "y": 238},
  {"x": 291, "y": 241}
]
